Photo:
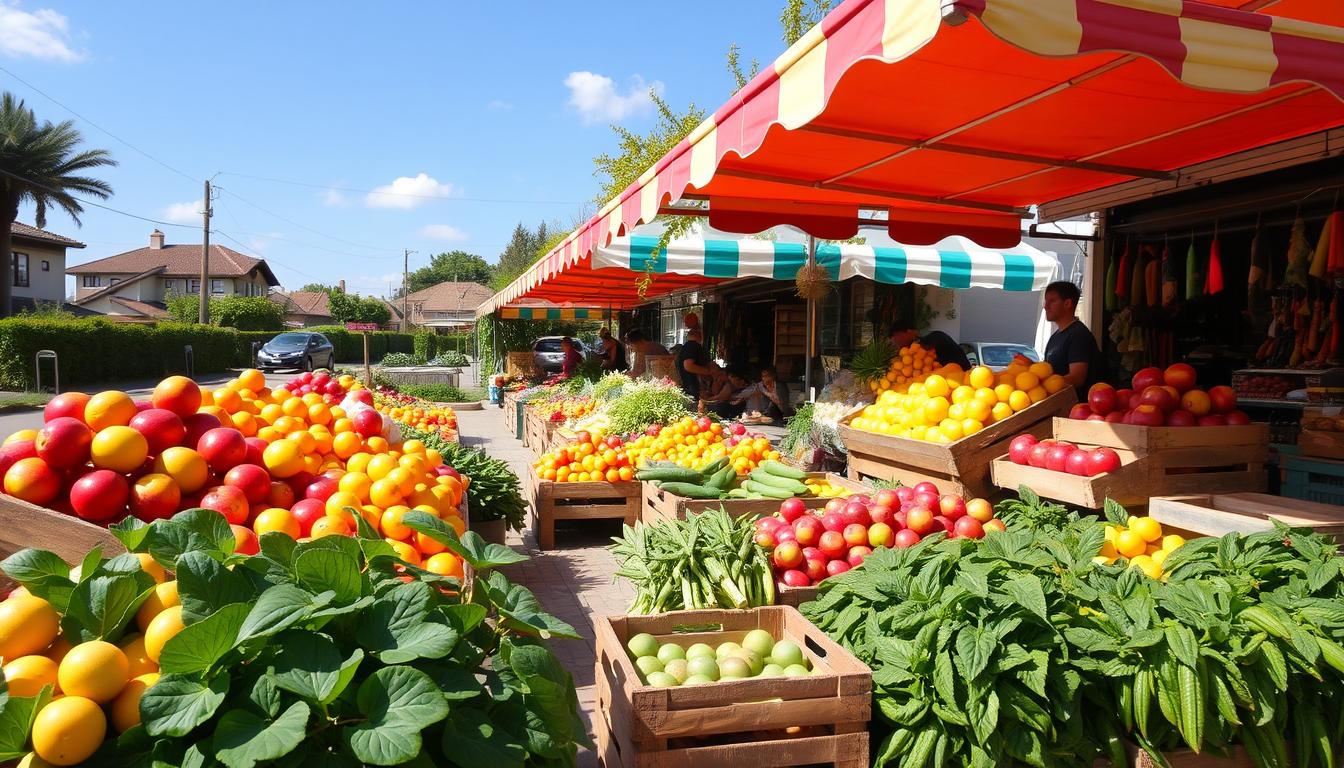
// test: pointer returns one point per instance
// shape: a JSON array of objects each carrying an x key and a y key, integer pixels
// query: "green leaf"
[
  {"x": 364, "y": 531},
  {"x": 309, "y": 664},
  {"x": 1115, "y": 512},
  {"x": 1026, "y": 591},
  {"x": 945, "y": 679},
  {"x": 199, "y": 646},
  {"x": 520, "y": 611},
  {"x": 177, "y": 704},
  {"x": 266, "y": 696},
  {"x": 16, "y": 722},
  {"x": 470, "y": 547},
  {"x": 472, "y": 740},
  {"x": 131, "y": 532},
  {"x": 402, "y": 626},
  {"x": 456, "y": 682},
  {"x": 43, "y": 574},
  {"x": 100, "y": 606},
  {"x": 205, "y": 586},
  {"x": 323, "y": 570},
  {"x": 551, "y": 700},
  {"x": 399, "y": 702},
  {"x": 280, "y": 608},
  {"x": 975, "y": 649},
  {"x": 242, "y": 739},
  {"x": 195, "y": 530},
  {"x": 89, "y": 565},
  {"x": 1181, "y": 640},
  {"x": 348, "y": 669},
  {"x": 465, "y": 616}
]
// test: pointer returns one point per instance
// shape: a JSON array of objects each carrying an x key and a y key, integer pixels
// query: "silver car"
[{"x": 997, "y": 354}]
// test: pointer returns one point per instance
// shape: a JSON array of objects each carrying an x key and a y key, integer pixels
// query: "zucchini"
[
  {"x": 783, "y": 470},
  {"x": 722, "y": 479},
  {"x": 714, "y": 467},
  {"x": 738, "y": 493},
  {"x": 676, "y": 474},
  {"x": 768, "y": 491},
  {"x": 691, "y": 490},
  {"x": 765, "y": 478}
]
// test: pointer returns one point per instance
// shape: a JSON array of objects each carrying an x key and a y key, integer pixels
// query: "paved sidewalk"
[{"x": 573, "y": 581}]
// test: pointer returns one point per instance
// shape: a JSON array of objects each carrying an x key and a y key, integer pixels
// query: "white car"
[{"x": 997, "y": 354}]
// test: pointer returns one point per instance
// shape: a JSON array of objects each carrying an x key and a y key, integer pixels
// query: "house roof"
[
  {"x": 177, "y": 261},
  {"x": 149, "y": 309},
  {"x": 315, "y": 303},
  {"x": 117, "y": 286},
  {"x": 395, "y": 308},
  {"x": 25, "y": 232},
  {"x": 450, "y": 297}
]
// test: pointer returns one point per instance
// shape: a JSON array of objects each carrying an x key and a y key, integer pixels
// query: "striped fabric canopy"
[
  {"x": 953, "y": 117},
  {"x": 549, "y": 313},
  {"x": 952, "y": 263}
]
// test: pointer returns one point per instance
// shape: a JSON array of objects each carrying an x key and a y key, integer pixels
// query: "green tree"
[
  {"x": 40, "y": 163},
  {"x": 247, "y": 313},
  {"x": 353, "y": 308},
  {"x": 183, "y": 308},
  {"x": 454, "y": 266},
  {"x": 317, "y": 288},
  {"x": 517, "y": 256}
]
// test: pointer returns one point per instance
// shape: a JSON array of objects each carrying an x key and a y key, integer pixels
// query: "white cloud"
[
  {"x": 183, "y": 213},
  {"x": 40, "y": 34},
  {"x": 597, "y": 98},
  {"x": 445, "y": 232},
  {"x": 500, "y": 104},
  {"x": 408, "y": 192},
  {"x": 333, "y": 198}
]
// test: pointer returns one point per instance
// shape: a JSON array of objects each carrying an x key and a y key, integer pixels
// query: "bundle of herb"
[{"x": 644, "y": 403}]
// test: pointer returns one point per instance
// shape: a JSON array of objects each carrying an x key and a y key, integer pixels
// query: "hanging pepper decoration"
[
  {"x": 1213, "y": 276},
  {"x": 1299, "y": 255},
  {"x": 1112, "y": 302},
  {"x": 1123, "y": 277},
  {"x": 1152, "y": 272},
  {"x": 1136, "y": 282},
  {"x": 1192, "y": 282},
  {"x": 1335, "y": 261},
  {"x": 1320, "y": 258},
  {"x": 1170, "y": 280}
]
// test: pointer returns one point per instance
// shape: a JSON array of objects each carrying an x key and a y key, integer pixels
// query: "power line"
[
  {"x": 304, "y": 227},
  {"x": 400, "y": 194},
  {"x": 254, "y": 253},
  {"x": 55, "y": 101},
  {"x": 95, "y": 205}
]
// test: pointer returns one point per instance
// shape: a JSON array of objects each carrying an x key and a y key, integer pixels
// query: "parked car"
[
  {"x": 547, "y": 355},
  {"x": 997, "y": 354},
  {"x": 296, "y": 349}
]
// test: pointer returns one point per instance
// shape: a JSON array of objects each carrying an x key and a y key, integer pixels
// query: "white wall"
[{"x": 42, "y": 286}]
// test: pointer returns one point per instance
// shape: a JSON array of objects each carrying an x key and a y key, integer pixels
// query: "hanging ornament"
[
  {"x": 1320, "y": 257},
  {"x": 1213, "y": 277},
  {"x": 1170, "y": 280},
  {"x": 1122, "y": 279},
  {"x": 1299, "y": 255},
  {"x": 1192, "y": 282}
]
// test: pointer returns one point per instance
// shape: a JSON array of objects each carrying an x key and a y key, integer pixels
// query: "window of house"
[
  {"x": 46, "y": 265},
  {"x": 90, "y": 281},
  {"x": 21, "y": 270},
  {"x": 216, "y": 286},
  {"x": 114, "y": 281},
  {"x": 193, "y": 286}
]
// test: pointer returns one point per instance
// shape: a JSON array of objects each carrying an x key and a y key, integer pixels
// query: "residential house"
[
  {"x": 304, "y": 309},
  {"x": 38, "y": 273},
  {"x": 136, "y": 283},
  {"x": 445, "y": 305}
]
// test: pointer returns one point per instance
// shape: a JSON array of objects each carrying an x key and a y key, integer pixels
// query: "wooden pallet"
[
  {"x": 553, "y": 501},
  {"x": 1183, "y": 460},
  {"x": 24, "y": 525},
  {"x": 1219, "y": 514},
  {"x": 739, "y": 722},
  {"x": 961, "y": 467},
  {"x": 659, "y": 505}
]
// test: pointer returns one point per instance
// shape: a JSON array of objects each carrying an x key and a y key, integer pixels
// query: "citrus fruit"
[
  {"x": 151, "y": 566},
  {"x": 126, "y": 707},
  {"x": 391, "y": 524},
  {"x": 445, "y": 564},
  {"x": 27, "y": 675},
  {"x": 185, "y": 466},
  {"x": 161, "y": 630},
  {"x": 405, "y": 551},
  {"x": 980, "y": 376},
  {"x": 252, "y": 379},
  {"x": 1129, "y": 544},
  {"x": 338, "y": 501},
  {"x": 278, "y": 520},
  {"x": 134, "y": 648},
  {"x": 163, "y": 596},
  {"x": 283, "y": 458},
  {"x": 120, "y": 449},
  {"x": 69, "y": 730},
  {"x": 379, "y": 466},
  {"x": 109, "y": 409},
  {"x": 385, "y": 493},
  {"x": 329, "y": 525},
  {"x": 1041, "y": 370},
  {"x": 96, "y": 670},
  {"x": 1146, "y": 527},
  {"x": 356, "y": 483},
  {"x": 58, "y": 648},
  {"x": 27, "y": 625}
]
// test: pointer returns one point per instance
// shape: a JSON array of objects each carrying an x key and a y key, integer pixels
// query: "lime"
[
  {"x": 734, "y": 668},
  {"x": 795, "y": 670},
  {"x": 786, "y": 652},
  {"x": 662, "y": 679},
  {"x": 699, "y": 649},
  {"x": 648, "y": 665},
  {"x": 677, "y": 669},
  {"x": 702, "y": 666},
  {"x": 643, "y": 644},
  {"x": 759, "y": 641},
  {"x": 670, "y": 651}
]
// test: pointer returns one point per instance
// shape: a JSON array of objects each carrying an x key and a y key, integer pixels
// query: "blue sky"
[{"x": 490, "y": 110}]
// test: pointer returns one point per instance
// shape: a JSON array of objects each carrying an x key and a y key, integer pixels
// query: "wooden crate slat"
[
  {"x": 553, "y": 501},
  {"x": 24, "y": 525},
  {"x": 1219, "y": 514},
  {"x": 659, "y": 505},
  {"x": 1146, "y": 440}
]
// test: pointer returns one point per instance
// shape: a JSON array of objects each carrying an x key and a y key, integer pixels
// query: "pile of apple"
[
  {"x": 1162, "y": 398},
  {"x": 1062, "y": 456},
  {"x": 806, "y": 546}
]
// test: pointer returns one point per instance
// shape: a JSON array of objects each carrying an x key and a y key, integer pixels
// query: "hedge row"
[
  {"x": 96, "y": 350},
  {"x": 430, "y": 345},
  {"x": 350, "y": 344}
]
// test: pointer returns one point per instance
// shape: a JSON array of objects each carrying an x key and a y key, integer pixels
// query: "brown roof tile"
[
  {"x": 451, "y": 297},
  {"x": 26, "y": 232},
  {"x": 144, "y": 308},
  {"x": 316, "y": 303},
  {"x": 179, "y": 261},
  {"x": 117, "y": 286}
]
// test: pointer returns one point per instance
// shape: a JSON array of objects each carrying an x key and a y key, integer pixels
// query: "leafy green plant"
[
  {"x": 611, "y": 386},
  {"x": 644, "y": 403},
  {"x": 1032, "y": 512},
  {"x": 435, "y": 393},
  {"x": 496, "y": 493},
  {"x": 399, "y": 360},
  {"x": 326, "y": 652},
  {"x": 450, "y": 359}
]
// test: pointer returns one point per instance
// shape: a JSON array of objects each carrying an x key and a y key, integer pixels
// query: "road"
[{"x": 13, "y": 422}]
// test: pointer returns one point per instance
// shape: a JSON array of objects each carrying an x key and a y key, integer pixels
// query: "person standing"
[
  {"x": 1072, "y": 349},
  {"x": 642, "y": 348},
  {"x": 570, "y": 365},
  {"x": 692, "y": 363}
]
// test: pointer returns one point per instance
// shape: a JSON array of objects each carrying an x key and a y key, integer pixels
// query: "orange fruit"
[
  {"x": 69, "y": 730},
  {"x": 252, "y": 379},
  {"x": 445, "y": 564},
  {"x": 1026, "y": 381},
  {"x": 1055, "y": 383},
  {"x": 278, "y": 520},
  {"x": 427, "y": 546},
  {"x": 126, "y": 707},
  {"x": 329, "y": 525},
  {"x": 1129, "y": 544},
  {"x": 283, "y": 458},
  {"x": 27, "y": 625},
  {"x": 356, "y": 483},
  {"x": 385, "y": 493},
  {"x": 134, "y": 648},
  {"x": 244, "y": 422},
  {"x": 228, "y": 399},
  {"x": 164, "y": 596},
  {"x": 151, "y": 566},
  {"x": 378, "y": 444},
  {"x": 391, "y": 524},
  {"x": 120, "y": 449},
  {"x": 379, "y": 466},
  {"x": 1019, "y": 400},
  {"x": 405, "y": 551},
  {"x": 456, "y": 523},
  {"x": 22, "y": 434},
  {"x": 26, "y": 676},
  {"x": 339, "y": 500},
  {"x": 403, "y": 478},
  {"x": 109, "y": 409},
  {"x": 96, "y": 670}
]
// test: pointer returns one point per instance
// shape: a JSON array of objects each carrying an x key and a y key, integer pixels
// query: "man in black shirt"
[
  {"x": 1072, "y": 349},
  {"x": 947, "y": 350},
  {"x": 692, "y": 363}
]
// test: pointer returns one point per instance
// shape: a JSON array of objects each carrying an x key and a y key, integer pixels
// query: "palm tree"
[{"x": 38, "y": 164}]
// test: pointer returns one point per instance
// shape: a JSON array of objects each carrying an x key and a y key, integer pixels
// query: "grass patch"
[
  {"x": 443, "y": 393},
  {"x": 22, "y": 401}
]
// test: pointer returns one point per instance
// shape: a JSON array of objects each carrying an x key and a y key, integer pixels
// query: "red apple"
[
  {"x": 795, "y": 578},
  {"x": 1077, "y": 463},
  {"x": 995, "y": 525},
  {"x": 244, "y": 540},
  {"x": 69, "y": 404},
  {"x": 1039, "y": 454},
  {"x": 855, "y": 534},
  {"x": 941, "y": 525},
  {"x": 785, "y": 533},
  {"x": 792, "y": 509},
  {"x": 1020, "y": 448},
  {"x": 881, "y": 513},
  {"x": 905, "y": 538},
  {"x": 927, "y": 499},
  {"x": 1160, "y": 397},
  {"x": 1180, "y": 418},
  {"x": 1148, "y": 415},
  {"x": 252, "y": 480},
  {"x": 1223, "y": 399},
  {"x": 1080, "y": 411},
  {"x": 1115, "y": 417},
  {"x": 787, "y": 555},
  {"x": 880, "y": 535},
  {"x": 307, "y": 512},
  {"x": 229, "y": 501},
  {"x": 63, "y": 442},
  {"x": 814, "y": 564},
  {"x": 1101, "y": 398},
  {"x": 1135, "y": 400},
  {"x": 1213, "y": 420},
  {"x": 1100, "y": 460},
  {"x": 926, "y": 487},
  {"x": 256, "y": 447},
  {"x": 1122, "y": 396},
  {"x": 832, "y": 544},
  {"x": 969, "y": 528},
  {"x": 1181, "y": 376},
  {"x": 765, "y": 539},
  {"x": 836, "y": 567},
  {"x": 808, "y": 530},
  {"x": 834, "y": 505},
  {"x": 368, "y": 422},
  {"x": 162, "y": 429},
  {"x": 856, "y": 513},
  {"x": 222, "y": 448},
  {"x": 857, "y": 555},
  {"x": 887, "y": 497},
  {"x": 919, "y": 520},
  {"x": 99, "y": 496},
  {"x": 1058, "y": 456},
  {"x": 898, "y": 520},
  {"x": 321, "y": 488},
  {"x": 952, "y": 506},
  {"x": 197, "y": 425},
  {"x": 833, "y": 521},
  {"x": 905, "y": 494},
  {"x": 1237, "y": 418},
  {"x": 1148, "y": 377},
  {"x": 154, "y": 497},
  {"x": 768, "y": 524},
  {"x": 12, "y": 452}
]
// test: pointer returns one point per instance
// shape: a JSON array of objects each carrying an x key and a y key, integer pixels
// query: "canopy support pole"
[{"x": 810, "y": 324}]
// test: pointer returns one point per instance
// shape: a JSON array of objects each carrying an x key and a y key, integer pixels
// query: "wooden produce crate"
[
  {"x": 1182, "y": 460},
  {"x": 738, "y": 722},
  {"x": 1126, "y": 485},
  {"x": 24, "y": 525},
  {"x": 961, "y": 467},
  {"x": 553, "y": 501},
  {"x": 1219, "y": 514},
  {"x": 794, "y": 596},
  {"x": 659, "y": 505},
  {"x": 538, "y": 432},
  {"x": 513, "y": 414}
]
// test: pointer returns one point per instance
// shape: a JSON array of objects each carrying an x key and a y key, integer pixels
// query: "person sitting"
[
  {"x": 612, "y": 351},
  {"x": 945, "y": 348},
  {"x": 573, "y": 358},
  {"x": 719, "y": 392},
  {"x": 642, "y": 348},
  {"x": 769, "y": 397}
]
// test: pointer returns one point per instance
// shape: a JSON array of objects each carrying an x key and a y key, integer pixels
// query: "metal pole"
[
  {"x": 809, "y": 324},
  {"x": 203, "y": 315}
]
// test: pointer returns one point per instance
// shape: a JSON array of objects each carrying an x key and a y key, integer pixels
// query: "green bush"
[
  {"x": 97, "y": 350},
  {"x": 350, "y": 346},
  {"x": 398, "y": 360},
  {"x": 437, "y": 393},
  {"x": 424, "y": 346},
  {"x": 247, "y": 313}
]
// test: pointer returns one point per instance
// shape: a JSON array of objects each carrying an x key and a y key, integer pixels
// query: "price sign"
[{"x": 361, "y": 326}]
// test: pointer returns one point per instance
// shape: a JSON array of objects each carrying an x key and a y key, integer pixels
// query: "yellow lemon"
[
  {"x": 96, "y": 670},
  {"x": 161, "y": 630},
  {"x": 27, "y": 625},
  {"x": 28, "y": 675},
  {"x": 69, "y": 730}
]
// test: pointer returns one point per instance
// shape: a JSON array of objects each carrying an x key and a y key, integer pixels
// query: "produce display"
[
  {"x": 807, "y": 546},
  {"x": 669, "y": 664},
  {"x": 1265, "y": 386},
  {"x": 1062, "y": 456},
  {"x": 719, "y": 480},
  {"x": 1025, "y": 649},
  {"x": 563, "y": 408},
  {"x": 949, "y": 404},
  {"x": 1162, "y": 398},
  {"x": 417, "y": 413},
  {"x": 1141, "y": 544},
  {"x": 327, "y": 652},
  {"x": 707, "y": 560},
  {"x": 590, "y": 458},
  {"x": 690, "y": 443}
]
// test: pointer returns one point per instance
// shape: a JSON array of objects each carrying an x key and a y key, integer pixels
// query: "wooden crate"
[
  {"x": 24, "y": 525},
  {"x": 1127, "y": 485},
  {"x": 553, "y": 501},
  {"x": 513, "y": 410},
  {"x": 659, "y": 505},
  {"x": 1184, "y": 758},
  {"x": 1218, "y": 514},
  {"x": 794, "y": 596},
  {"x": 1183, "y": 460},
  {"x": 743, "y": 721},
  {"x": 961, "y": 467},
  {"x": 538, "y": 432}
]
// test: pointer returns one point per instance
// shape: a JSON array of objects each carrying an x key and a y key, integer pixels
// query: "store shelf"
[
  {"x": 1267, "y": 403},
  {"x": 1280, "y": 371}
]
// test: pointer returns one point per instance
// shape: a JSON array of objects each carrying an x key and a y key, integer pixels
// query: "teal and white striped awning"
[{"x": 954, "y": 262}]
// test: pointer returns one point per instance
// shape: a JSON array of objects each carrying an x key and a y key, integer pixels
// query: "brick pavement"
[{"x": 574, "y": 581}]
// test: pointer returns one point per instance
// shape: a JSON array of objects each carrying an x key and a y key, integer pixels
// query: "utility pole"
[
  {"x": 405, "y": 284},
  {"x": 204, "y": 313}
]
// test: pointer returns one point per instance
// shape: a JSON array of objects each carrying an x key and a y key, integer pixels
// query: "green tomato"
[
  {"x": 727, "y": 649},
  {"x": 795, "y": 670},
  {"x": 697, "y": 680},
  {"x": 643, "y": 644},
  {"x": 670, "y": 651},
  {"x": 734, "y": 668},
  {"x": 786, "y": 652},
  {"x": 699, "y": 649},
  {"x": 772, "y": 670},
  {"x": 678, "y": 669},
  {"x": 662, "y": 680},
  {"x": 648, "y": 665},
  {"x": 754, "y": 660},
  {"x": 760, "y": 642},
  {"x": 703, "y": 666}
]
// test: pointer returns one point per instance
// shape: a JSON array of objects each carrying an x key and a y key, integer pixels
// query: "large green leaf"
[
  {"x": 470, "y": 547},
  {"x": 975, "y": 649},
  {"x": 402, "y": 626},
  {"x": 177, "y": 704},
  {"x": 205, "y": 586},
  {"x": 43, "y": 574},
  {"x": 199, "y": 646},
  {"x": 16, "y": 722},
  {"x": 195, "y": 530},
  {"x": 242, "y": 739},
  {"x": 472, "y": 740},
  {"x": 309, "y": 664},
  {"x": 328, "y": 570},
  {"x": 100, "y": 607},
  {"x": 520, "y": 611},
  {"x": 1026, "y": 591},
  {"x": 399, "y": 702},
  {"x": 280, "y": 608},
  {"x": 550, "y": 697},
  {"x": 131, "y": 532}
]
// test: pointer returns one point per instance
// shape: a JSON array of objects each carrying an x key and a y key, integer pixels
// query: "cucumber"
[
  {"x": 738, "y": 493},
  {"x": 768, "y": 491},
  {"x": 676, "y": 474},
  {"x": 714, "y": 467},
  {"x": 783, "y": 470},
  {"x": 775, "y": 481},
  {"x": 692, "y": 490},
  {"x": 722, "y": 479}
]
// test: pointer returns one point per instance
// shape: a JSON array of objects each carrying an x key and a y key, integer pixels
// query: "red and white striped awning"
[{"x": 953, "y": 117}]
